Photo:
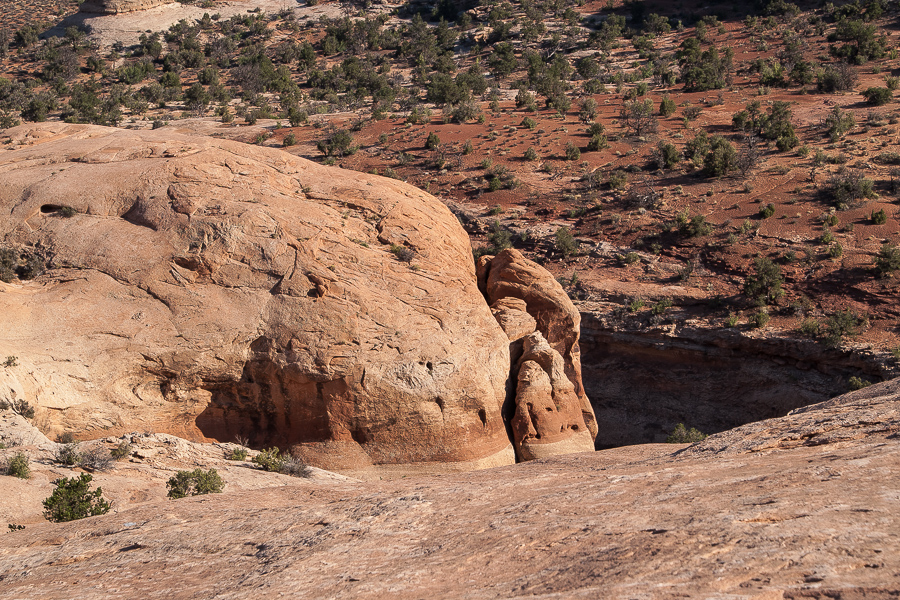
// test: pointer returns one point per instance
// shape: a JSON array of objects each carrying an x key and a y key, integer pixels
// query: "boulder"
[
  {"x": 548, "y": 419},
  {"x": 512, "y": 316},
  {"x": 212, "y": 289},
  {"x": 511, "y": 275}
]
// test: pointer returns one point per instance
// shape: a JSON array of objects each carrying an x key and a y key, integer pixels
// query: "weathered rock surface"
[
  {"x": 210, "y": 289},
  {"x": 114, "y": 7},
  {"x": 548, "y": 418},
  {"x": 762, "y": 512},
  {"x": 510, "y": 277}
]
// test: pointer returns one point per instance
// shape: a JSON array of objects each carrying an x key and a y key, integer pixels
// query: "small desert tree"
[
  {"x": 764, "y": 286},
  {"x": 73, "y": 499},
  {"x": 638, "y": 117}
]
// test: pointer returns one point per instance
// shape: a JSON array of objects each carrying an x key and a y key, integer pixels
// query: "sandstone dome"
[{"x": 213, "y": 289}]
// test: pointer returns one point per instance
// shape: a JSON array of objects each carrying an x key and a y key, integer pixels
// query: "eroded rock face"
[
  {"x": 509, "y": 276},
  {"x": 114, "y": 7},
  {"x": 210, "y": 289},
  {"x": 548, "y": 418}
]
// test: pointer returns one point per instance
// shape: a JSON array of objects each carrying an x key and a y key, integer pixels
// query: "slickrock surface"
[
  {"x": 765, "y": 512},
  {"x": 209, "y": 289},
  {"x": 114, "y": 7}
]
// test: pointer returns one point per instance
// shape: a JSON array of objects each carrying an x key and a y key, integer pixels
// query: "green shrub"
[
  {"x": 403, "y": 254},
  {"x": 529, "y": 123},
  {"x": 848, "y": 185},
  {"x": 810, "y": 327},
  {"x": 696, "y": 226},
  {"x": 597, "y": 142},
  {"x": 858, "y": 383},
  {"x": 836, "y": 250},
  {"x": 683, "y": 435},
  {"x": 269, "y": 460},
  {"x": 72, "y": 499},
  {"x": 572, "y": 152},
  {"x": 531, "y": 154},
  {"x": 433, "y": 141},
  {"x": 766, "y": 210},
  {"x": 877, "y": 96},
  {"x": 123, "y": 450},
  {"x": 838, "y": 123},
  {"x": 764, "y": 287},
  {"x": 661, "y": 306},
  {"x": 21, "y": 407},
  {"x": 697, "y": 148},
  {"x": 339, "y": 143},
  {"x": 617, "y": 179},
  {"x": 879, "y": 217},
  {"x": 68, "y": 454},
  {"x": 721, "y": 158},
  {"x": 666, "y": 107},
  {"x": 838, "y": 326},
  {"x": 195, "y": 483},
  {"x": 667, "y": 155},
  {"x": 18, "y": 466},
  {"x": 596, "y": 129},
  {"x": 565, "y": 242},
  {"x": 759, "y": 319},
  {"x": 888, "y": 260}
]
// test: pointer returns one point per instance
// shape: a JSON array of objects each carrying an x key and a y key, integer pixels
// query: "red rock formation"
[
  {"x": 209, "y": 289},
  {"x": 548, "y": 418},
  {"x": 511, "y": 275}
]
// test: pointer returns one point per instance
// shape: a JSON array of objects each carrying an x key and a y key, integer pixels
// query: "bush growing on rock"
[
  {"x": 73, "y": 499},
  {"x": 858, "y": 383},
  {"x": 68, "y": 454},
  {"x": 295, "y": 467},
  {"x": 683, "y": 435},
  {"x": 123, "y": 450},
  {"x": 18, "y": 466},
  {"x": 239, "y": 453},
  {"x": 195, "y": 483},
  {"x": 840, "y": 325},
  {"x": 20, "y": 407},
  {"x": 95, "y": 459},
  {"x": 269, "y": 459},
  {"x": 403, "y": 253}
]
